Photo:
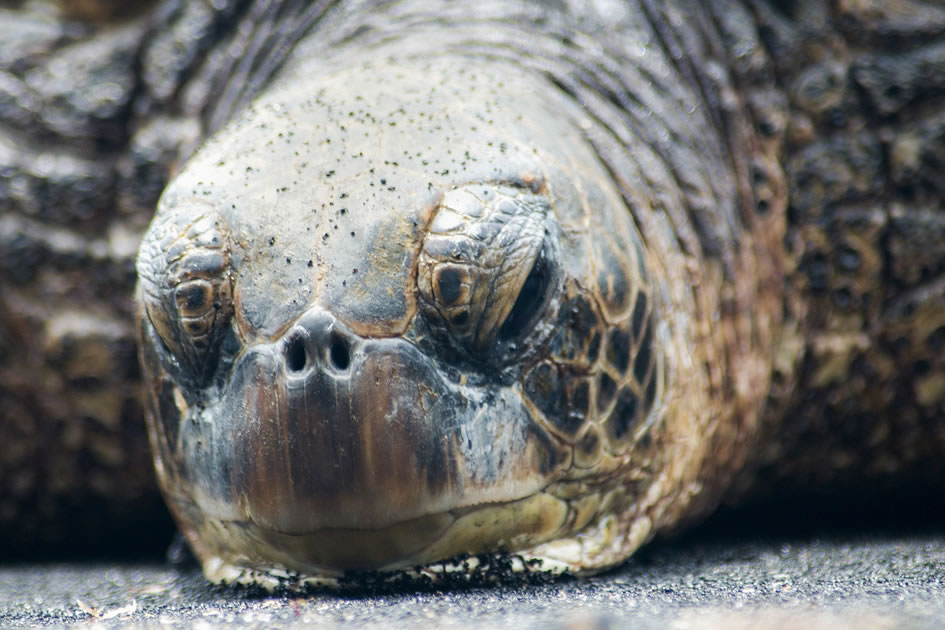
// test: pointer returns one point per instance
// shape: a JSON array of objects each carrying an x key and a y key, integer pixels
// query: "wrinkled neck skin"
[{"x": 330, "y": 199}]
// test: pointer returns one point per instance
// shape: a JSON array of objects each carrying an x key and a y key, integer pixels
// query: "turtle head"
[{"x": 394, "y": 320}]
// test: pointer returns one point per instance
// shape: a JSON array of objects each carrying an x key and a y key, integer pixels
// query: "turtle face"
[{"x": 378, "y": 333}]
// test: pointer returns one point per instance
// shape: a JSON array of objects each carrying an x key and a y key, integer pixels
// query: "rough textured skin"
[
  {"x": 783, "y": 158},
  {"x": 93, "y": 115},
  {"x": 864, "y": 149}
]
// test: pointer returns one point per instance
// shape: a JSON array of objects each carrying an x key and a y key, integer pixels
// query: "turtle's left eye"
[{"x": 485, "y": 272}]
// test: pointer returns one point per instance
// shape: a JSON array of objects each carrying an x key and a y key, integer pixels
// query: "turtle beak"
[{"x": 329, "y": 431}]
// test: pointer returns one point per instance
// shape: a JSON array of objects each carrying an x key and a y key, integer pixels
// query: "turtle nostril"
[
  {"x": 295, "y": 356},
  {"x": 338, "y": 352}
]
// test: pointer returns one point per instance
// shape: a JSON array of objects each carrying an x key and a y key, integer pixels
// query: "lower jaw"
[{"x": 240, "y": 551}]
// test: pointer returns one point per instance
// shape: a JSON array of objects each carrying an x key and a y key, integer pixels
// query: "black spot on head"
[
  {"x": 618, "y": 350},
  {"x": 644, "y": 356}
]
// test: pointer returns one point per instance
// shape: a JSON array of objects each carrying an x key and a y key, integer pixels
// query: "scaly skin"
[{"x": 710, "y": 122}]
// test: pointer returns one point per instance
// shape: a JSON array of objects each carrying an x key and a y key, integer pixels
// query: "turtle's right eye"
[{"x": 186, "y": 288}]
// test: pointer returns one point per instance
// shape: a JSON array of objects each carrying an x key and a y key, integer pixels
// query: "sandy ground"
[{"x": 857, "y": 582}]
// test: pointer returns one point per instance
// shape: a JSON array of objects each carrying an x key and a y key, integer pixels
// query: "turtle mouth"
[{"x": 510, "y": 525}]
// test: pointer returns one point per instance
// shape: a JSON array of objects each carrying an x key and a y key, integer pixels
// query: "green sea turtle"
[{"x": 539, "y": 280}]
